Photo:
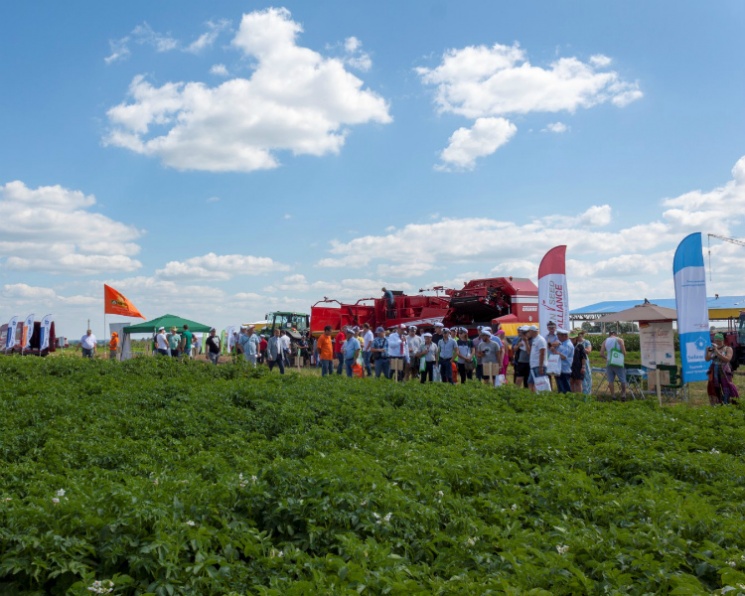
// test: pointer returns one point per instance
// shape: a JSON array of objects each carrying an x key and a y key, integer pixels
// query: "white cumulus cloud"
[
  {"x": 51, "y": 228},
  {"x": 296, "y": 100},
  {"x": 487, "y": 82},
  {"x": 556, "y": 127},
  {"x": 219, "y": 70},
  {"x": 468, "y": 144},
  {"x": 219, "y": 267}
]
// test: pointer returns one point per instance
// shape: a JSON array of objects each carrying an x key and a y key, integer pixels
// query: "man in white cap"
[
  {"x": 565, "y": 350},
  {"x": 538, "y": 349},
  {"x": 367, "y": 341},
  {"x": 491, "y": 355},
  {"x": 521, "y": 350},
  {"x": 161, "y": 342},
  {"x": 428, "y": 357},
  {"x": 446, "y": 348},
  {"x": 398, "y": 352},
  {"x": 413, "y": 343},
  {"x": 351, "y": 350},
  {"x": 250, "y": 342}
]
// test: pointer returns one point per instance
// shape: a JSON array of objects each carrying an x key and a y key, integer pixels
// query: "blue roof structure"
[{"x": 720, "y": 307}]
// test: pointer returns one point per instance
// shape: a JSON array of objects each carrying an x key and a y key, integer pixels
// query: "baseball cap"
[
  {"x": 551, "y": 323},
  {"x": 161, "y": 328},
  {"x": 532, "y": 328},
  {"x": 412, "y": 327},
  {"x": 446, "y": 330},
  {"x": 439, "y": 324},
  {"x": 379, "y": 330},
  {"x": 523, "y": 328},
  {"x": 428, "y": 334},
  {"x": 485, "y": 331},
  {"x": 562, "y": 332}
]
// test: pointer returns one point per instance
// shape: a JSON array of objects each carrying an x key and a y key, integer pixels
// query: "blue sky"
[{"x": 221, "y": 160}]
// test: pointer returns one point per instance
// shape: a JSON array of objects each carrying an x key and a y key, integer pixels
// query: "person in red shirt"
[
  {"x": 262, "y": 349},
  {"x": 338, "y": 343}
]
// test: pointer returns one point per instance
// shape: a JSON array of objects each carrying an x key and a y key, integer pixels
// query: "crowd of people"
[{"x": 560, "y": 360}]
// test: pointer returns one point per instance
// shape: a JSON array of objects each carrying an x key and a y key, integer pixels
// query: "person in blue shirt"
[
  {"x": 447, "y": 347},
  {"x": 380, "y": 351},
  {"x": 350, "y": 350},
  {"x": 566, "y": 354},
  {"x": 390, "y": 303}
]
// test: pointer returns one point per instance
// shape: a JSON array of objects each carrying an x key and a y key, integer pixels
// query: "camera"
[{"x": 710, "y": 348}]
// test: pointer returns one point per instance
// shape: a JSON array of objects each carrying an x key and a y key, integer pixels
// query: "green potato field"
[{"x": 160, "y": 477}]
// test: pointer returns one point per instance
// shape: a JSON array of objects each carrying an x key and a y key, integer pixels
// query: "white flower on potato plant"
[
  {"x": 55, "y": 500},
  {"x": 714, "y": 451},
  {"x": 513, "y": 507},
  {"x": 472, "y": 541},
  {"x": 276, "y": 553},
  {"x": 61, "y": 492},
  {"x": 191, "y": 523},
  {"x": 102, "y": 587},
  {"x": 382, "y": 520},
  {"x": 732, "y": 563},
  {"x": 562, "y": 549}
]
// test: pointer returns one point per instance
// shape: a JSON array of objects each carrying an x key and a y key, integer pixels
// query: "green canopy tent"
[{"x": 166, "y": 321}]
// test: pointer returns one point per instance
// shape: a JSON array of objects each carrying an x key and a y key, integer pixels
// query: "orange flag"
[{"x": 115, "y": 303}]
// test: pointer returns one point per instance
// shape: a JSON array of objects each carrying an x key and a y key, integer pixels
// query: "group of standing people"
[
  {"x": 255, "y": 349},
  {"x": 176, "y": 344},
  {"x": 559, "y": 359},
  {"x": 449, "y": 354}
]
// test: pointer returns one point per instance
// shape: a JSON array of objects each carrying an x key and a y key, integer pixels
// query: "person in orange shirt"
[
  {"x": 326, "y": 352},
  {"x": 113, "y": 345}
]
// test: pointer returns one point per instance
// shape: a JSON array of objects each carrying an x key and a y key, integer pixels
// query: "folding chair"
[
  {"x": 675, "y": 387},
  {"x": 635, "y": 376}
]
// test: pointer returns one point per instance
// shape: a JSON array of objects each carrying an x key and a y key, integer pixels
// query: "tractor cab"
[{"x": 294, "y": 323}]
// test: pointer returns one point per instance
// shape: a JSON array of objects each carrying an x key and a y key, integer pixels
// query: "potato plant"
[{"x": 160, "y": 477}]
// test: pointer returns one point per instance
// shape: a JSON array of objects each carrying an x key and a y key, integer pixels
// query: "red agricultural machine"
[{"x": 505, "y": 300}]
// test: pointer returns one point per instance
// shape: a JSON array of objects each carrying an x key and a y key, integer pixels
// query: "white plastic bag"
[
  {"x": 542, "y": 384},
  {"x": 500, "y": 380},
  {"x": 553, "y": 364}
]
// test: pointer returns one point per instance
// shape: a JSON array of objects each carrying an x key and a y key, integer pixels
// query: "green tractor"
[
  {"x": 296, "y": 324},
  {"x": 297, "y": 327}
]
